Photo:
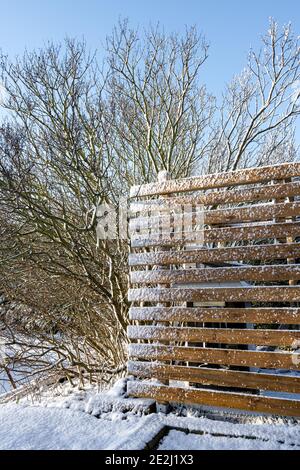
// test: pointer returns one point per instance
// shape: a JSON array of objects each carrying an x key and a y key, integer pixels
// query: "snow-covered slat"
[
  {"x": 217, "y": 356},
  {"x": 211, "y": 255},
  {"x": 221, "y": 235},
  {"x": 224, "y": 196},
  {"x": 243, "y": 401},
  {"x": 278, "y": 272},
  {"x": 215, "y": 294},
  {"x": 220, "y": 216},
  {"x": 220, "y": 377},
  {"x": 260, "y": 315},
  {"x": 259, "y": 337},
  {"x": 218, "y": 180}
]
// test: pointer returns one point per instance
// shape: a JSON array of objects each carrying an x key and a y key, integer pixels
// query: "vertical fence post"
[
  {"x": 288, "y": 239},
  {"x": 163, "y": 406},
  {"x": 292, "y": 282}
]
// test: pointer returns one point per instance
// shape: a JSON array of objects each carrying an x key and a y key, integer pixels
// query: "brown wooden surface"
[
  {"x": 221, "y": 377},
  {"x": 221, "y": 216},
  {"x": 252, "y": 213},
  {"x": 211, "y": 255},
  {"x": 259, "y": 337},
  {"x": 220, "y": 399},
  {"x": 225, "y": 196},
  {"x": 235, "y": 357},
  {"x": 269, "y": 315},
  {"x": 243, "y": 273},
  {"x": 267, "y": 216},
  {"x": 224, "y": 234},
  {"x": 218, "y": 180},
  {"x": 227, "y": 294}
]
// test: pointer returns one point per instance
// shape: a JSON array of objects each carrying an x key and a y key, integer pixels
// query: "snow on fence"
[{"x": 215, "y": 304}]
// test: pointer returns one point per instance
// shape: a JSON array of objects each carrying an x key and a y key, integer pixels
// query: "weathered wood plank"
[
  {"x": 218, "y": 180},
  {"x": 277, "y": 406},
  {"x": 224, "y": 234},
  {"x": 279, "y": 272},
  {"x": 252, "y": 213},
  {"x": 218, "y": 356},
  {"x": 219, "y": 197},
  {"x": 269, "y": 315},
  {"x": 227, "y": 294},
  {"x": 220, "y": 377},
  {"x": 211, "y": 255},
  {"x": 219, "y": 216},
  {"x": 259, "y": 337}
]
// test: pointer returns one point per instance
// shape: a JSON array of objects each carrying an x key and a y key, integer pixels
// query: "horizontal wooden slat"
[
  {"x": 219, "y": 197},
  {"x": 247, "y": 273},
  {"x": 211, "y": 255},
  {"x": 219, "y": 216},
  {"x": 235, "y": 357},
  {"x": 220, "y": 377},
  {"x": 224, "y": 234},
  {"x": 252, "y": 213},
  {"x": 259, "y": 337},
  {"x": 218, "y": 180},
  {"x": 279, "y": 315},
  {"x": 277, "y": 406},
  {"x": 227, "y": 294}
]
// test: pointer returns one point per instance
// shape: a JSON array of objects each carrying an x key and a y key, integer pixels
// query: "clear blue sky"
[{"x": 230, "y": 26}]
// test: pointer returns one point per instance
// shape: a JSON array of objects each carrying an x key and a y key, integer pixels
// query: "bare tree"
[
  {"x": 160, "y": 109},
  {"x": 54, "y": 171},
  {"x": 256, "y": 120}
]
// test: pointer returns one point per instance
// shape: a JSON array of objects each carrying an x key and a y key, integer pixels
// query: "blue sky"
[{"x": 230, "y": 26}]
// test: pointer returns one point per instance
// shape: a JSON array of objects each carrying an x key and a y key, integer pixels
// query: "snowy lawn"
[
  {"x": 34, "y": 427},
  {"x": 37, "y": 427},
  {"x": 85, "y": 419}
]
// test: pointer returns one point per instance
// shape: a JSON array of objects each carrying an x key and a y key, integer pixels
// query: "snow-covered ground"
[{"x": 64, "y": 418}]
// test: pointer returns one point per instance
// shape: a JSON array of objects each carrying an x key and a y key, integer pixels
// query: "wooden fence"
[{"x": 215, "y": 306}]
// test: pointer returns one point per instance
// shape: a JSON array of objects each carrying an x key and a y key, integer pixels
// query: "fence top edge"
[{"x": 218, "y": 180}]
